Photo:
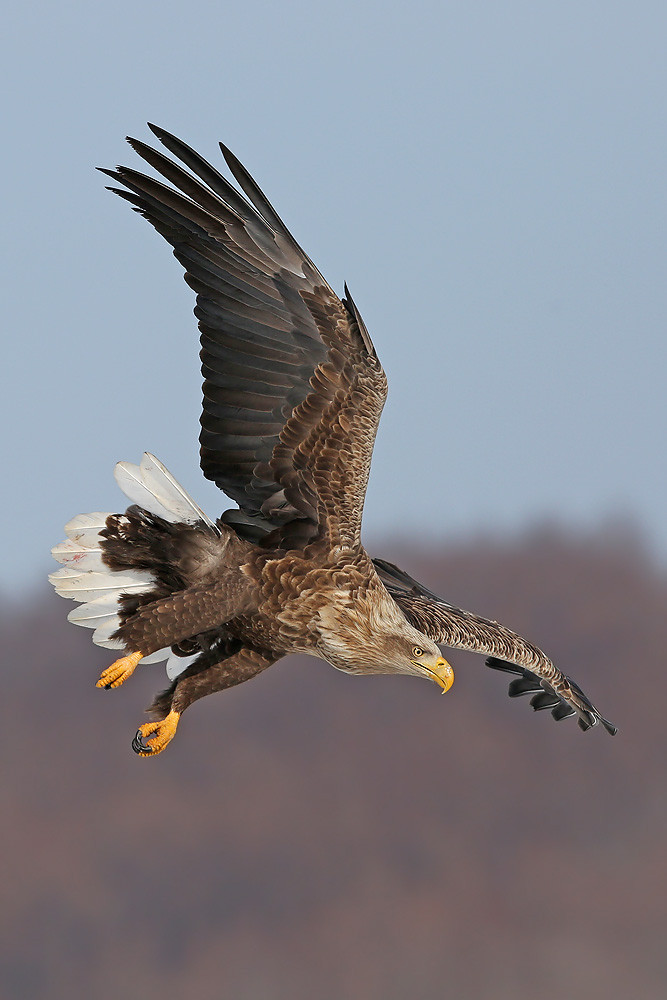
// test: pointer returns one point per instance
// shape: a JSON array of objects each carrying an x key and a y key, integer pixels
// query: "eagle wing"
[
  {"x": 506, "y": 651},
  {"x": 293, "y": 389}
]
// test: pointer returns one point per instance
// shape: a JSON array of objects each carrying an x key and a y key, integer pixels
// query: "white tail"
[
  {"x": 154, "y": 488},
  {"x": 177, "y": 664},
  {"x": 85, "y": 577}
]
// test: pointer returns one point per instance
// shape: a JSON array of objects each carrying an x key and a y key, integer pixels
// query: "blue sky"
[{"x": 488, "y": 178}]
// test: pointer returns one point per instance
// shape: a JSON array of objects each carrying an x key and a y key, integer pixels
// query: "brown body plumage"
[{"x": 293, "y": 394}]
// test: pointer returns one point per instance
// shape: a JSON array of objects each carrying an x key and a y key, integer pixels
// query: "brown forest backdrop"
[{"x": 313, "y": 836}]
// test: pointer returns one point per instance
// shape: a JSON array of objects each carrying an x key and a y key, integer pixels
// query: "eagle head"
[
  {"x": 409, "y": 651},
  {"x": 378, "y": 639}
]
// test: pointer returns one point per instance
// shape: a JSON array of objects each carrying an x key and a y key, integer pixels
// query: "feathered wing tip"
[
  {"x": 97, "y": 588},
  {"x": 545, "y": 697}
]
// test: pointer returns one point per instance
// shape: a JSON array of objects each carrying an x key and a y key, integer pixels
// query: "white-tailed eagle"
[{"x": 293, "y": 392}]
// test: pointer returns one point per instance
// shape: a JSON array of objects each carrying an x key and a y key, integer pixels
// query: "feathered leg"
[
  {"x": 186, "y": 613},
  {"x": 172, "y": 619},
  {"x": 193, "y": 684}
]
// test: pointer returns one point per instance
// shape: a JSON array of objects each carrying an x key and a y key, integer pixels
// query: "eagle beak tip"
[{"x": 444, "y": 674}]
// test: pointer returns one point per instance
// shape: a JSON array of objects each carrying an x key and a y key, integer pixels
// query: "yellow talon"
[
  {"x": 118, "y": 672},
  {"x": 164, "y": 733}
]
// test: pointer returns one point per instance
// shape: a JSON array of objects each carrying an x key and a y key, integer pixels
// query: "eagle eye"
[{"x": 417, "y": 651}]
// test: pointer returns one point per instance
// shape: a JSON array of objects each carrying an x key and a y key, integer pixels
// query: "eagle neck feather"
[{"x": 353, "y": 632}]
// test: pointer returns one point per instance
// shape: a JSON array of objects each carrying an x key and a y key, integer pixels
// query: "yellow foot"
[
  {"x": 164, "y": 733},
  {"x": 118, "y": 672}
]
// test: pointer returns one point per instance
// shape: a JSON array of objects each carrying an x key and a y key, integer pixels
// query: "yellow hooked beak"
[{"x": 441, "y": 672}]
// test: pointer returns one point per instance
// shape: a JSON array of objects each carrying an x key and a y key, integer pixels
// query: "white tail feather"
[
  {"x": 154, "y": 488},
  {"x": 86, "y": 579},
  {"x": 177, "y": 664},
  {"x": 161, "y": 654},
  {"x": 129, "y": 478},
  {"x": 101, "y": 635},
  {"x": 85, "y": 529},
  {"x": 95, "y": 613},
  {"x": 158, "y": 479},
  {"x": 77, "y": 556},
  {"x": 90, "y": 586}
]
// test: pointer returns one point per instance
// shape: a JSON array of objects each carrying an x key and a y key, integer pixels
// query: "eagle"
[{"x": 292, "y": 396}]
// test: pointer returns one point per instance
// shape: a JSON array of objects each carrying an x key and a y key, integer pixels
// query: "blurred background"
[{"x": 489, "y": 179}]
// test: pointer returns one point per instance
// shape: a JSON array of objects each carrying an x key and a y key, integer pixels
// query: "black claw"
[{"x": 138, "y": 745}]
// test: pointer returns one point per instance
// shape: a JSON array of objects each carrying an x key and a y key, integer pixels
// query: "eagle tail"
[
  {"x": 152, "y": 486},
  {"x": 114, "y": 563}
]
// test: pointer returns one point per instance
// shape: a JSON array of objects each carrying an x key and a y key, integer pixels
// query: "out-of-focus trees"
[{"x": 312, "y": 835}]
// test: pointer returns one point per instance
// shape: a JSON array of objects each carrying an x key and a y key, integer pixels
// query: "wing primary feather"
[
  {"x": 256, "y": 195},
  {"x": 205, "y": 171},
  {"x": 528, "y": 684},
  {"x": 503, "y": 666},
  {"x": 264, "y": 206},
  {"x": 563, "y": 711},
  {"x": 189, "y": 185},
  {"x": 544, "y": 700}
]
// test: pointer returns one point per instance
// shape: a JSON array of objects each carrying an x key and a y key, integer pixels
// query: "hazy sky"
[{"x": 488, "y": 177}]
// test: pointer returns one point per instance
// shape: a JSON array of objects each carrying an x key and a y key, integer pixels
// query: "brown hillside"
[{"x": 312, "y": 836}]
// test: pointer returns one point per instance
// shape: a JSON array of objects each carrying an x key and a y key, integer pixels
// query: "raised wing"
[
  {"x": 293, "y": 389},
  {"x": 506, "y": 651}
]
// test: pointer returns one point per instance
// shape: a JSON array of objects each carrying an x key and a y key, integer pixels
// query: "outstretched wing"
[
  {"x": 506, "y": 651},
  {"x": 293, "y": 389}
]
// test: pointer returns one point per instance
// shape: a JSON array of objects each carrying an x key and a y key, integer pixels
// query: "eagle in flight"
[{"x": 292, "y": 396}]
